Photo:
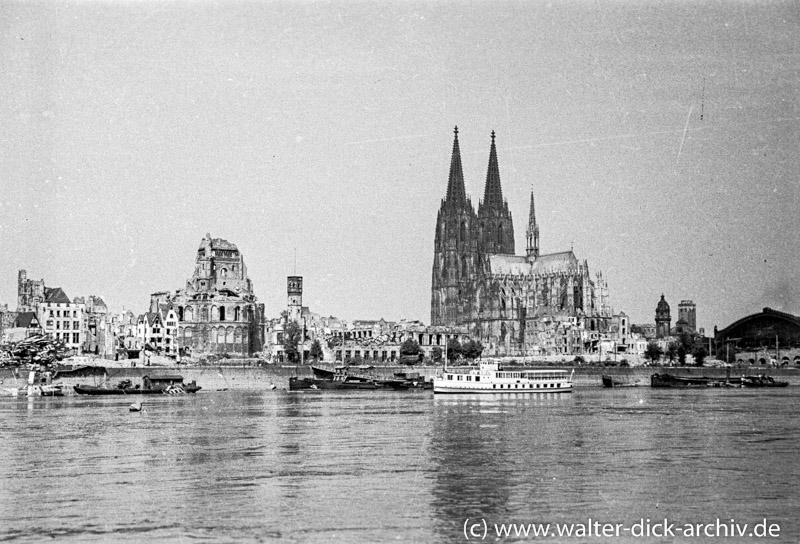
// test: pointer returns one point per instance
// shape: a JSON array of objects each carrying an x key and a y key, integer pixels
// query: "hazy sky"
[{"x": 661, "y": 140}]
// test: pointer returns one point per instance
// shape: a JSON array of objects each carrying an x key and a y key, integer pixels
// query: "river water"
[{"x": 363, "y": 467}]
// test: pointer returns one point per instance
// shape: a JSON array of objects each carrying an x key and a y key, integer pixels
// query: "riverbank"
[{"x": 218, "y": 377}]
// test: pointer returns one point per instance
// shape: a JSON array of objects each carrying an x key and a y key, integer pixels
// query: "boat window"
[
  {"x": 449, "y": 377},
  {"x": 477, "y": 378},
  {"x": 494, "y": 386},
  {"x": 469, "y": 378}
]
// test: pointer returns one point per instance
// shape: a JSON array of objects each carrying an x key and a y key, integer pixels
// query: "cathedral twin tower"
[{"x": 479, "y": 282}]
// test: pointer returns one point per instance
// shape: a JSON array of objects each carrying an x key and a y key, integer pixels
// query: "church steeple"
[
  {"x": 532, "y": 234},
  {"x": 455, "y": 255},
  {"x": 496, "y": 226},
  {"x": 456, "y": 194},
  {"x": 493, "y": 193}
]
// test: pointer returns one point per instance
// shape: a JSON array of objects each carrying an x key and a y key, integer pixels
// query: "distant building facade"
[
  {"x": 217, "y": 312},
  {"x": 663, "y": 318},
  {"x": 29, "y": 292},
  {"x": 25, "y": 324},
  {"x": 61, "y": 318},
  {"x": 687, "y": 312},
  {"x": 99, "y": 335},
  {"x": 513, "y": 304}
]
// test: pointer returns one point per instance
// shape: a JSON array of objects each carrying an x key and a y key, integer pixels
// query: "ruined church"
[{"x": 516, "y": 305}]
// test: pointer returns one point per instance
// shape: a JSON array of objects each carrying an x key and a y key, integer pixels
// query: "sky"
[{"x": 660, "y": 140}]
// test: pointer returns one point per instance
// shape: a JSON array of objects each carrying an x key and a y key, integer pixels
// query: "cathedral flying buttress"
[{"x": 516, "y": 305}]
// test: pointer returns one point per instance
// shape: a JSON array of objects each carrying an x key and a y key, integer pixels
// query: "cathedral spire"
[
  {"x": 496, "y": 227},
  {"x": 493, "y": 193},
  {"x": 456, "y": 194},
  {"x": 532, "y": 233}
]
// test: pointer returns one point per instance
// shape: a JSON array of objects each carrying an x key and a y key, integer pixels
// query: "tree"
[
  {"x": 436, "y": 354},
  {"x": 409, "y": 347},
  {"x": 699, "y": 355},
  {"x": 316, "y": 351},
  {"x": 681, "y": 354},
  {"x": 291, "y": 338},
  {"x": 472, "y": 349},
  {"x": 410, "y": 352},
  {"x": 454, "y": 350},
  {"x": 672, "y": 351},
  {"x": 653, "y": 352}
]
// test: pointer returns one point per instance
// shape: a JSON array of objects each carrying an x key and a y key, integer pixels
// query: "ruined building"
[
  {"x": 217, "y": 311},
  {"x": 29, "y": 293},
  {"x": 514, "y": 304}
]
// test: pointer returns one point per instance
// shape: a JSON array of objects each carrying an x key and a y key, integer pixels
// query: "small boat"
[
  {"x": 300, "y": 384},
  {"x": 762, "y": 381},
  {"x": 610, "y": 381},
  {"x": 413, "y": 380},
  {"x": 489, "y": 377},
  {"x": 151, "y": 385},
  {"x": 9, "y": 392},
  {"x": 40, "y": 385},
  {"x": 52, "y": 390},
  {"x": 672, "y": 381}
]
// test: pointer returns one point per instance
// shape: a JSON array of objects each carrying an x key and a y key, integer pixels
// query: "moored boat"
[
  {"x": 151, "y": 385},
  {"x": 672, "y": 381},
  {"x": 762, "y": 381},
  {"x": 489, "y": 377},
  {"x": 337, "y": 382},
  {"x": 610, "y": 381}
]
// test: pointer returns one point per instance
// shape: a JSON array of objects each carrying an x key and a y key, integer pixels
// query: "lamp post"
[{"x": 303, "y": 342}]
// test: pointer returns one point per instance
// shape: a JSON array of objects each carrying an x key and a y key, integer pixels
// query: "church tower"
[
  {"x": 496, "y": 231},
  {"x": 532, "y": 234},
  {"x": 455, "y": 250},
  {"x": 663, "y": 318}
]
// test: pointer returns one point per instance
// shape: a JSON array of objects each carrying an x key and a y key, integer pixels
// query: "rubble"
[{"x": 39, "y": 349}]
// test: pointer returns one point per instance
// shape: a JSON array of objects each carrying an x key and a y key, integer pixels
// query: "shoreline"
[{"x": 220, "y": 377}]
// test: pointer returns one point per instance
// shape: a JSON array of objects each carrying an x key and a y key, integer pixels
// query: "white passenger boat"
[{"x": 491, "y": 378}]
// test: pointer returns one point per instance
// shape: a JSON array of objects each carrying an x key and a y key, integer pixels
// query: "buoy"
[
  {"x": 135, "y": 407},
  {"x": 272, "y": 386}
]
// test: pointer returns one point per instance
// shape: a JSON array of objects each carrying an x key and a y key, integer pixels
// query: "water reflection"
[
  {"x": 490, "y": 455},
  {"x": 374, "y": 467}
]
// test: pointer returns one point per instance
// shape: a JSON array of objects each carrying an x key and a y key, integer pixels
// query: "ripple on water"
[{"x": 261, "y": 466}]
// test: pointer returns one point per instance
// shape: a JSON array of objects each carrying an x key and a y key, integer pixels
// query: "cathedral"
[{"x": 516, "y": 305}]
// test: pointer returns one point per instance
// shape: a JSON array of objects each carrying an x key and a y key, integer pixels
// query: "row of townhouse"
[{"x": 158, "y": 331}]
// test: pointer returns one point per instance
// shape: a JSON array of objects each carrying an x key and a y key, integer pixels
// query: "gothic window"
[
  {"x": 463, "y": 238},
  {"x": 236, "y": 314},
  {"x": 499, "y": 237},
  {"x": 189, "y": 315},
  {"x": 463, "y": 266},
  {"x": 205, "y": 315},
  {"x": 222, "y": 313},
  {"x": 224, "y": 272}
]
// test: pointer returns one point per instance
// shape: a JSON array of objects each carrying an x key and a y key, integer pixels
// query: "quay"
[{"x": 252, "y": 374}]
